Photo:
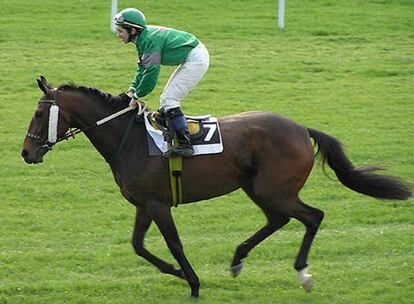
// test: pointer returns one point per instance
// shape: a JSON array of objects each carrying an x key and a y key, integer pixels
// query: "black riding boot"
[
  {"x": 184, "y": 148},
  {"x": 178, "y": 124}
]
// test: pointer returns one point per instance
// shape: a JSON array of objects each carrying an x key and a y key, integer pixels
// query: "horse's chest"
[{"x": 139, "y": 190}]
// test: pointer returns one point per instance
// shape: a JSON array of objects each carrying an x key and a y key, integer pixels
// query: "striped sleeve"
[{"x": 147, "y": 73}]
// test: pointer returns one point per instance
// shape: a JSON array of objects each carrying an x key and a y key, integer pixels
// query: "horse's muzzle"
[{"x": 32, "y": 158}]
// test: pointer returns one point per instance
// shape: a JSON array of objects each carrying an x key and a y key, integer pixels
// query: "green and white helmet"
[{"x": 130, "y": 17}]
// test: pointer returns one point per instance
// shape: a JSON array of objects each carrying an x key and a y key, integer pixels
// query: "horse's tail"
[{"x": 364, "y": 179}]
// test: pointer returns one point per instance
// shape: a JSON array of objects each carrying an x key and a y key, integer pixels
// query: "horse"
[{"x": 268, "y": 156}]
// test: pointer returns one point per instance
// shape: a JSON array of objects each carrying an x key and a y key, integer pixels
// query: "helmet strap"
[{"x": 131, "y": 37}]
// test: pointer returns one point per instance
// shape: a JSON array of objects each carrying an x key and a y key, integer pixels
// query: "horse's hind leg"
[
  {"x": 142, "y": 223},
  {"x": 275, "y": 222},
  {"x": 311, "y": 218}
]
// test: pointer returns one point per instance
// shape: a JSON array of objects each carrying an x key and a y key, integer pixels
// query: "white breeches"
[{"x": 185, "y": 77}]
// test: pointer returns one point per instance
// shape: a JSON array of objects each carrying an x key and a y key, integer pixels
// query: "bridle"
[
  {"x": 52, "y": 127},
  {"x": 53, "y": 139}
]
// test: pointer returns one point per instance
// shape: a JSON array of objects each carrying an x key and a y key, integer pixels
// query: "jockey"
[{"x": 157, "y": 45}]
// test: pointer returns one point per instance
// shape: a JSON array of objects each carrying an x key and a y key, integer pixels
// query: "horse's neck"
[{"x": 105, "y": 138}]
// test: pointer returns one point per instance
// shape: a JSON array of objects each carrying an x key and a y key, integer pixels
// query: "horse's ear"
[
  {"x": 43, "y": 85},
  {"x": 43, "y": 79}
]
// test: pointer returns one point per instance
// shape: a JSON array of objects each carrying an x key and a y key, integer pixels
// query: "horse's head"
[{"x": 46, "y": 126}]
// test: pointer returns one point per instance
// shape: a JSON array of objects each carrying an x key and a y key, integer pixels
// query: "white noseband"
[{"x": 53, "y": 123}]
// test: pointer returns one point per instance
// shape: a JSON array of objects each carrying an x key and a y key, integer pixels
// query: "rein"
[{"x": 53, "y": 123}]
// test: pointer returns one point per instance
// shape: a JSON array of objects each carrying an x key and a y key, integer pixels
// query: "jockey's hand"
[{"x": 134, "y": 103}]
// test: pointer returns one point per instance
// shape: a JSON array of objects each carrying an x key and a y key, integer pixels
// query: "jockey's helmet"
[{"x": 130, "y": 17}]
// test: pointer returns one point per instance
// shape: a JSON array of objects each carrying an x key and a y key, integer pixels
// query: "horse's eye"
[{"x": 38, "y": 114}]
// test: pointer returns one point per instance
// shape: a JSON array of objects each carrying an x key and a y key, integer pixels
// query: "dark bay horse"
[{"x": 268, "y": 156}]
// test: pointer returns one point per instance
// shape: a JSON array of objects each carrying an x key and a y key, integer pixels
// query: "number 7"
[{"x": 212, "y": 129}]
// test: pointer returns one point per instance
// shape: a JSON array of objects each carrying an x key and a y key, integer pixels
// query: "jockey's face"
[
  {"x": 122, "y": 33},
  {"x": 125, "y": 35}
]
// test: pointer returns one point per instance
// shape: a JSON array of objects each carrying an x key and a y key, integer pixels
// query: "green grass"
[{"x": 344, "y": 67}]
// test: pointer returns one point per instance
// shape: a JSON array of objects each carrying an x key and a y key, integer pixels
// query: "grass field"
[{"x": 344, "y": 67}]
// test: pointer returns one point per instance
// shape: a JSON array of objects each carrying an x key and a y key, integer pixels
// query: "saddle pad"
[{"x": 209, "y": 143}]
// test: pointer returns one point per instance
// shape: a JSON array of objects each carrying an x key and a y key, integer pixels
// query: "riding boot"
[
  {"x": 178, "y": 125},
  {"x": 184, "y": 148}
]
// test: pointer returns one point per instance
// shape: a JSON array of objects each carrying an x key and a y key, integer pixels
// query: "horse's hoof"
[
  {"x": 235, "y": 270},
  {"x": 194, "y": 294},
  {"x": 307, "y": 283},
  {"x": 305, "y": 279}
]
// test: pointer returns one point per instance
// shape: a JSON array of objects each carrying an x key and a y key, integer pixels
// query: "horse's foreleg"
[
  {"x": 276, "y": 221},
  {"x": 142, "y": 223},
  {"x": 311, "y": 218},
  {"x": 161, "y": 214}
]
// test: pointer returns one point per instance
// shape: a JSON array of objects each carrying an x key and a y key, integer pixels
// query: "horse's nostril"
[{"x": 25, "y": 153}]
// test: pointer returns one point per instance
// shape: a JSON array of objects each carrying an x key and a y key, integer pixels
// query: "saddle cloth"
[{"x": 204, "y": 132}]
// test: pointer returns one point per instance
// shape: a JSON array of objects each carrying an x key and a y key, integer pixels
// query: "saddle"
[
  {"x": 197, "y": 131},
  {"x": 195, "y": 124},
  {"x": 204, "y": 134}
]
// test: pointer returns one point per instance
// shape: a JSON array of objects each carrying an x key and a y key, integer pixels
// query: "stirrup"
[
  {"x": 169, "y": 153},
  {"x": 174, "y": 152},
  {"x": 184, "y": 152}
]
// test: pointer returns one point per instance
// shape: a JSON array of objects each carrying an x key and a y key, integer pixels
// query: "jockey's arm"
[
  {"x": 148, "y": 69},
  {"x": 148, "y": 81},
  {"x": 149, "y": 77}
]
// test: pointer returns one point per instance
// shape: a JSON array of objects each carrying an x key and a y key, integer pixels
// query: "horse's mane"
[
  {"x": 90, "y": 91},
  {"x": 117, "y": 102}
]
